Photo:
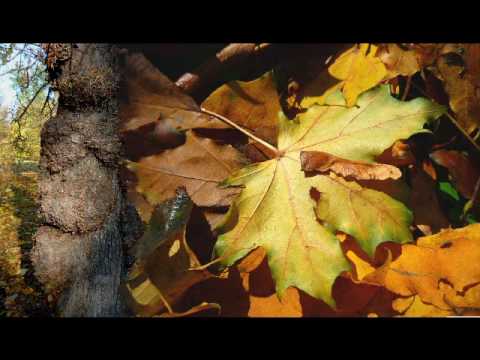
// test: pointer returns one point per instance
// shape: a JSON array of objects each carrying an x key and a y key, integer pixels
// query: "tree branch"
[{"x": 17, "y": 120}]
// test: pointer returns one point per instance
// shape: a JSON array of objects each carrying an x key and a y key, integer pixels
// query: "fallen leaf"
[
  {"x": 250, "y": 291},
  {"x": 472, "y": 62},
  {"x": 199, "y": 165},
  {"x": 427, "y": 54},
  {"x": 427, "y": 213},
  {"x": 253, "y": 105},
  {"x": 464, "y": 171},
  {"x": 359, "y": 69},
  {"x": 362, "y": 267},
  {"x": 151, "y": 97},
  {"x": 414, "y": 307},
  {"x": 323, "y": 162},
  {"x": 163, "y": 259},
  {"x": 399, "y": 154},
  {"x": 438, "y": 267},
  {"x": 275, "y": 210},
  {"x": 153, "y": 111},
  {"x": 316, "y": 91},
  {"x": 398, "y": 61},
  {"x": 462, "y": 93}
]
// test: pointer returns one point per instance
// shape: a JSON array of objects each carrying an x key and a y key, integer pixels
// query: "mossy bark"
[{"x": 86, "y": 219}]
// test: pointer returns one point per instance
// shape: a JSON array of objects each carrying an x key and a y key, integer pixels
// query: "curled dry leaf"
[
  {"x": 323, "y": 162},
  {"x": 399, "y": 154},
  {"x": 199, "y": 165},
  {"x": 293, "y": 238},
  {"x": 163, "y": 259}
]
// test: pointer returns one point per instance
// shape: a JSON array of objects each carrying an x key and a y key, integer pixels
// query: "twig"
[
  {"x": 471, "y": 204},
  {"x": 463, "y": 131},
  {"x": 249, "y": 134},
  {"x": 46, "y": 100}
]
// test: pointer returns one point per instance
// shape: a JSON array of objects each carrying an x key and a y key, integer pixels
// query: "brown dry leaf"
[
  {"x": 154, "y": 111},
  {"x": 199, "y": 165},
  {"x": 253, "y": 105},
  {"x": 163, "y": 259},
  {"x": 398, "y": 61},
  {"x": 472, "y": 62},
  {"x": 151, "y": 97},
  {"x": 399, "y": 154},
  {"x": 438, "y": 267},
  {"x": 427, "y": 54},
  {"x": 464, "y": 171},
  {"x": 427, "y": 213},
  {"x": 462, "y": 93},
  {"x": 322, "y": 161},
  {"x": 317, "y": 90}
]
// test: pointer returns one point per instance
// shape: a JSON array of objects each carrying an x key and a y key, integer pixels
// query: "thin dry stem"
[{"x": 246, "y": 132}]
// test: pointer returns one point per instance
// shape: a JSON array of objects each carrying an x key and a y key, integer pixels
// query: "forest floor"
[{"x": 21, "y": 295}]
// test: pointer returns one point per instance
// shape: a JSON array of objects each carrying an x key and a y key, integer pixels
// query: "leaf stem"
[{"x": 246, "y": 132}]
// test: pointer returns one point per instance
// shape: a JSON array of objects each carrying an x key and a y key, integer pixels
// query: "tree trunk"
[{"x": 79, "y": 250}]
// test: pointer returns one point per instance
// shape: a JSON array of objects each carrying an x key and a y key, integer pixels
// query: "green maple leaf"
[{"x": 276, "y": 211}]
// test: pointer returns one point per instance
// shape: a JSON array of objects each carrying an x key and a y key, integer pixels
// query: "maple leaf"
[
  {"x": 462, "y": 92},
  {"x": 413, "y": 306},
  {"x": 246, "y": 103},
  {"x": 151, "y": 97},
  {"x": 359, "y": 69},
  {"x": 398, "y": 61},
  {"x": 424, "y": 202},
  {"x": 199, "y": 165},
  {"x": 275, "y": 209},
  {"x": 163, "y": 259},
  {"x": 442, "y": 270},
  {"x": 464, "y": 171},
  {"x": 154, "y": 112}
]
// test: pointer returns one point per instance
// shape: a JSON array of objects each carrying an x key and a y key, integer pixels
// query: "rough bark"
[{"x": 87, "y": 221}]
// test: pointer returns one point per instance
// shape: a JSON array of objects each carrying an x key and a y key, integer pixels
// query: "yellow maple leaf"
[
  {"x": 414, "y": 307},
  {"x": 442, "y": 270},
  {"x": 360, "y": 70}
]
